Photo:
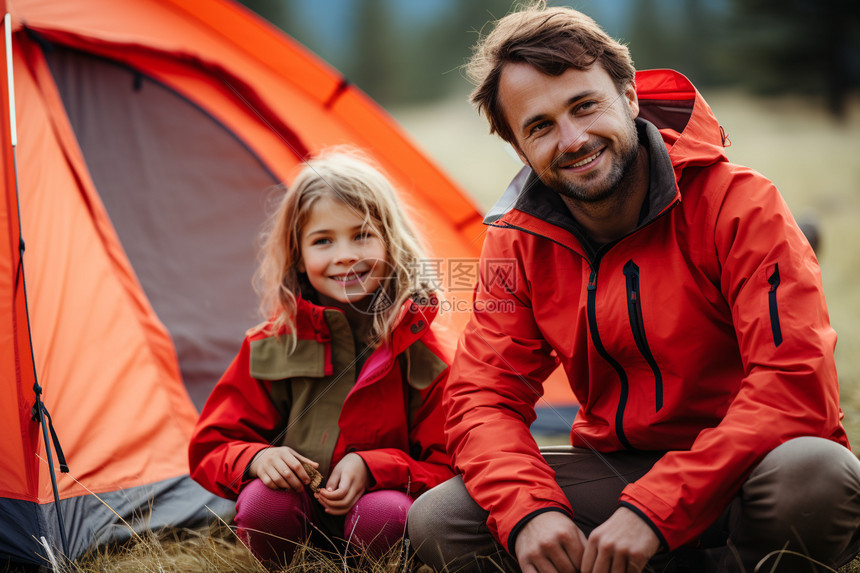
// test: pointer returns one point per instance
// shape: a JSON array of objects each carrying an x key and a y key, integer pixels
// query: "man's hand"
[
  {"x": 281, "y": 468},
  {"x": 550, "y": 542},
  {"x": 346, "y": 484},
  {"x": 622, "y": 544}
]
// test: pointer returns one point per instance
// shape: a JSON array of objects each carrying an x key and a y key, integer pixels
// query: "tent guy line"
[{"x": 40, "y": 411}]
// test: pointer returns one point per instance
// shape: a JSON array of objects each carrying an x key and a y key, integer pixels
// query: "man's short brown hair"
[{"x": 552, "y": 40}]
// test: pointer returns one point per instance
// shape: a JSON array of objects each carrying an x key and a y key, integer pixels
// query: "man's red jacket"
[{"x": 703, "y": 332}]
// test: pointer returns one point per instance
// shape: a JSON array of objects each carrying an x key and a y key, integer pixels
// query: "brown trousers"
[{"x": 804, "y": 497}]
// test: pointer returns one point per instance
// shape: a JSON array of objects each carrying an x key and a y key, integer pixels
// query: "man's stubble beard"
[{"x": 619, "y": 171}]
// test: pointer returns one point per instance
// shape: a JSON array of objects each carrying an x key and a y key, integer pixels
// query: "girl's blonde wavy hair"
[{"x": 345, "y": 174}]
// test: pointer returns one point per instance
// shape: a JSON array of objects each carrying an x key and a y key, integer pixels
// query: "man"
[{"x": 686, "y": 308}]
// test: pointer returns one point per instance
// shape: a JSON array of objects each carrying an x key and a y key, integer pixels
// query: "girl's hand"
[
  {"x": 281, "y": 468},
  {"x": 347, "y": 483}
]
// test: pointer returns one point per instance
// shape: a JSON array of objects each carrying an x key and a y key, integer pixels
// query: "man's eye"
[
  {"x": 586, "y": 106},
  {"x": 538, "y": 127}
]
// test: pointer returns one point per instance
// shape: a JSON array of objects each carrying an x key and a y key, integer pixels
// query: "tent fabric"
[
  {"x": 174, "y": 158},
  {"x": 150, "y": 133},
  {"x": 91, "y": 521}
]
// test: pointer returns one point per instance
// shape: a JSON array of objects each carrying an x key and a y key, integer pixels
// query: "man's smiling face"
[{"x": 575, "y": 130}]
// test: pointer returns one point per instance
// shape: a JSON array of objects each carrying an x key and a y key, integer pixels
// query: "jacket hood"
[
  {"x": 671, "y": 103},
  {"x": 689, "y": 128}
]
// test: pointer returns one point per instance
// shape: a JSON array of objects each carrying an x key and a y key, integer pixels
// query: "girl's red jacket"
[
  {"x": 307, "y": 396},
  {"x": 703, "y": 332}
]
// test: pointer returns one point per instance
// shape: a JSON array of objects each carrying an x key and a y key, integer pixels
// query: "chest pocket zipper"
[
  {"x": 637, "y": 325},
  {"x": 773, "y": 280}
]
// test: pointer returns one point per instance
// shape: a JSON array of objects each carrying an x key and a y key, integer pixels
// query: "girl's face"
[{"x": 345, "y": 260}]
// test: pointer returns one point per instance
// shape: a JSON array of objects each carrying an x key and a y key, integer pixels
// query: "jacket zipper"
[
  {"x": 598, "y": 344},
  {"x": 637, "y": 325},
  {"x": 774, "y": 309},
  {"x": 592, "y": 320}
]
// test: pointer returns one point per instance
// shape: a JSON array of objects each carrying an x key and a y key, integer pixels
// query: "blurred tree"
[
  {"x": 685, "y": 35},
  {"x": 696, "y": 42},
  {"x": 805, "y": 46},
  {"x": 808, "y": 46},
  {"x": 373, "y": 65},
  {"x": 649, "y": 36},
  {"x": 392, "y": 61},
  {"x": 446, "y": 43},
  {"x": 291, "y": 16}
]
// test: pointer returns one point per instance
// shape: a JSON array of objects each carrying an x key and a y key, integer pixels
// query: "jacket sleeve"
[
  {"x": 427, "y": 462},
  {"x": 496, "y": 378},
  {"x": 771, "y": 281},
  {"x": 238, "y": 420}
]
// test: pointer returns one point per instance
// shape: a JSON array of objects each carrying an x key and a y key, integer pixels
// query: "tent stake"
[{"x": 39, "y": 407}]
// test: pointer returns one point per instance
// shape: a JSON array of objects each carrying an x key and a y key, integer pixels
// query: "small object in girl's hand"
[{"x": 316, "y": 477}]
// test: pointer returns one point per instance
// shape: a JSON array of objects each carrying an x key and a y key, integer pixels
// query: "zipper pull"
[
  {"x": 631, "y": 271},
  {"x": 592, "y": 280},
  {"x": 773, "y": 279}
]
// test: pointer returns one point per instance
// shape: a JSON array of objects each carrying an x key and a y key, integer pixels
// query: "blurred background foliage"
[{"x": 411, "y": 51}]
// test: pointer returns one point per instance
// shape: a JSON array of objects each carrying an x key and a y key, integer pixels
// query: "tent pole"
[{"x": 39, "y": 410}]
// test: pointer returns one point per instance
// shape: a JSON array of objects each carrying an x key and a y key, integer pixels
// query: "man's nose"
[{"x": 572, "y": 136}]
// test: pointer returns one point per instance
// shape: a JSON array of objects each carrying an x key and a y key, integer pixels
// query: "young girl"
[{"x": 346, "y": 376}]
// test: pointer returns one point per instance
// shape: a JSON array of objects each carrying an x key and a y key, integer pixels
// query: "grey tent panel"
[
  {"x": 90, "y": 522},
  {"x": 186, "y": 197},
  {"x": 19, "y": 543}
]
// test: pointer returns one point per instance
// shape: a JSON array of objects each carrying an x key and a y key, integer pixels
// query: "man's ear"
[{"x": 632, "y": 99}]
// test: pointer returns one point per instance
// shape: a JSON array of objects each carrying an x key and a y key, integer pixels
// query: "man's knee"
[
  {"x": 803, "y": 475},
  {"x": 447, "y": 529},
  {"x": 428, "y": 519},
  {"x": 806, "y": 491}
]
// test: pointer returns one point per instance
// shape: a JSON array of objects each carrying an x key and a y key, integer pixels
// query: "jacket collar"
[
  {"x": 307, "y": 354},
  {"x": 535, "y": 206}
]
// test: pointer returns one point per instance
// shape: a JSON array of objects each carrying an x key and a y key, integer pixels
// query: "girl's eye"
[
  {"x": 364, "y": 235},
  {"x": 321, "y": 241}
]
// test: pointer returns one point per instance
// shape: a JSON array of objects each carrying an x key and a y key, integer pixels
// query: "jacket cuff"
[
  {"x": 512, "y": 537},
  {"x": 664, "y": 546},
  {"x": 244, "y": 460},
  {"x": 375, "y": 460}
]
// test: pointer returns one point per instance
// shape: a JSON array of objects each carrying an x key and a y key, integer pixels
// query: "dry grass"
[{"x": 218, "y": 550}]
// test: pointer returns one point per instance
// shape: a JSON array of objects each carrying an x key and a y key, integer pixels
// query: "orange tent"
[{"x": 149, "y": 133}]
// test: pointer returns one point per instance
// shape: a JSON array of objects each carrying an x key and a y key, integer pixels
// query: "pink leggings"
[{"x": 271, "y": 522}]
